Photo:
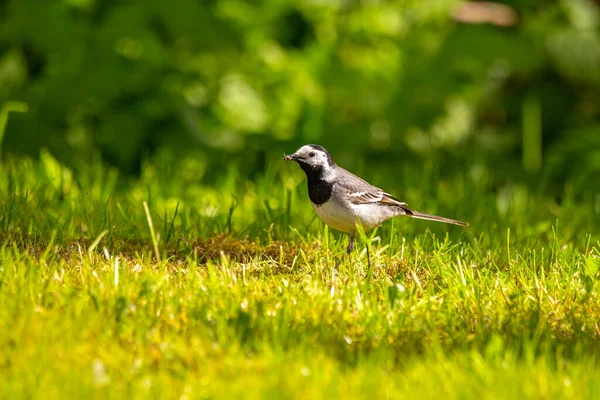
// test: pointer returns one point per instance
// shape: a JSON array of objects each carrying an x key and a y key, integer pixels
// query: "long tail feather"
[{"x": 416, "y": 214}]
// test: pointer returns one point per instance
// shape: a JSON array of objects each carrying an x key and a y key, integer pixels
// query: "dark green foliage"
[{"x": 399, "y": 79}]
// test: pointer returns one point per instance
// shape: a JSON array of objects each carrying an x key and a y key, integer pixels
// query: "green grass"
[{"x": 233, "y": 291}]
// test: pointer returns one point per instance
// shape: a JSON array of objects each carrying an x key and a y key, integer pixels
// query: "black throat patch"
[{"x": 319, "y": 190}]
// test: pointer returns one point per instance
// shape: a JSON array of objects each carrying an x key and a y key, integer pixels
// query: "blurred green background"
[{"x": 515, "y": 98}]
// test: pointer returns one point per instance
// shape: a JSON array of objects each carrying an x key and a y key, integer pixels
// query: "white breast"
[
  {"x": 345, "y": 217},
  {"x": 336, "y": 216}
]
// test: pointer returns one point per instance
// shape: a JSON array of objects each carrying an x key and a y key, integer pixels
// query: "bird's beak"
[{"x": 289, "y": 157}]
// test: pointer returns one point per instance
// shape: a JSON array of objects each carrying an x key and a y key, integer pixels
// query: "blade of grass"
[
  {"x": 97, "y": 241},
  {"x": 152, "y": 233}
]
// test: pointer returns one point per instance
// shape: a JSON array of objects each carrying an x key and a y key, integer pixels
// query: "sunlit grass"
[{"x": 232, "y": 290}]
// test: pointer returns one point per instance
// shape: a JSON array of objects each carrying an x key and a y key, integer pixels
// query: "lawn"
[{"x": 184, "y": 284}]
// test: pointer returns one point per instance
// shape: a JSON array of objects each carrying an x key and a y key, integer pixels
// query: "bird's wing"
[
  {"x": 362, "y": 192},
  {"x": 371, "y": 197},
  {"x": 389, "y": 199}
]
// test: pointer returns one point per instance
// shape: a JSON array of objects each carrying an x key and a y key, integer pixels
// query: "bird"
[{"x": 345, "y": 201}]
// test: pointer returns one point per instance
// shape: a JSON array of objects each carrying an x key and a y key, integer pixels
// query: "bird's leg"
[
  {"x": 370, "y": 272},
  {"x": 350, "y": 244}
]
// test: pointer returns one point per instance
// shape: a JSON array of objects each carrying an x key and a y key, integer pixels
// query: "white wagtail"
[{"x": 343, "y": 200}]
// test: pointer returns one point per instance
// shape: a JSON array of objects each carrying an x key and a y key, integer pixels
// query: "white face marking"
[{"x": 316, "y": 158}]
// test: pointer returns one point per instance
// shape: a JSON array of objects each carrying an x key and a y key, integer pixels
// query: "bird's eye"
[{"x": 311, "y": 154}]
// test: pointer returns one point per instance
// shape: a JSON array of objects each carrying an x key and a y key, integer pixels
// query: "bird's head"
[{"x": 312, "y": 158}]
